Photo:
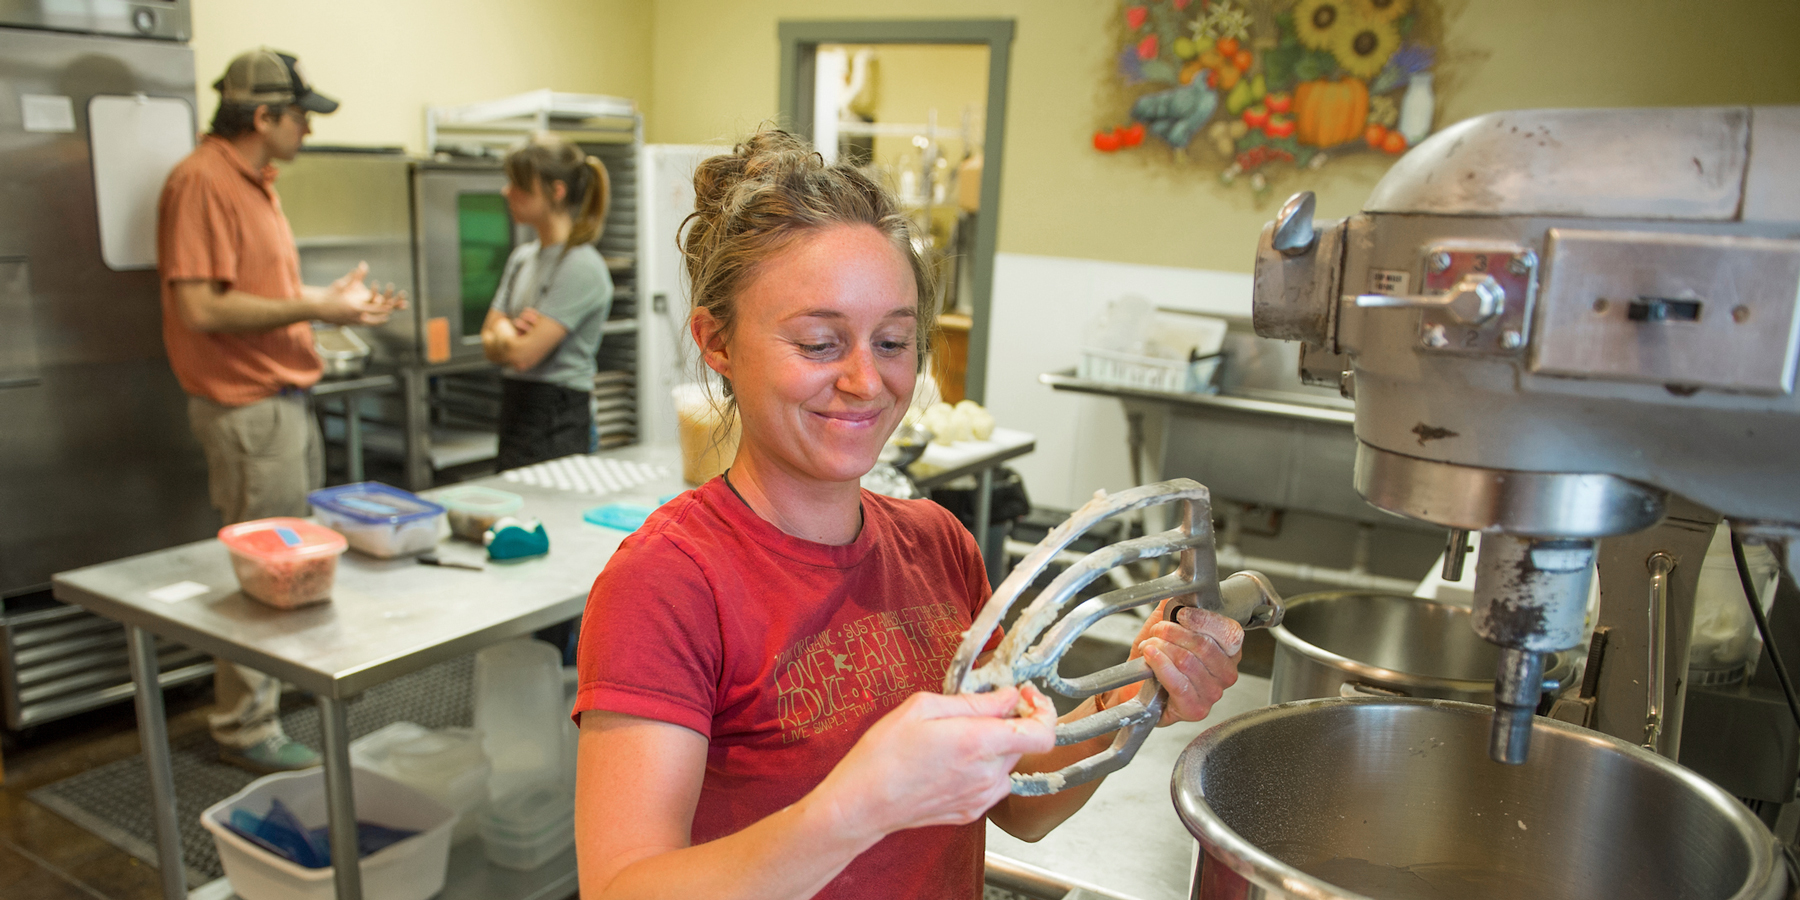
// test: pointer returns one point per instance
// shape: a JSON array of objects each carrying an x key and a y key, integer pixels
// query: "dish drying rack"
[{"x": 491, "y": 127}]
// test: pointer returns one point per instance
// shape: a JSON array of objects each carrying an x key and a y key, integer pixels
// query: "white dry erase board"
[{"x": 136, "y": 140}]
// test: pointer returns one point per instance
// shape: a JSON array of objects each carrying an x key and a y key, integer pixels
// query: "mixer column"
[{"x": 1530, "y": 599}]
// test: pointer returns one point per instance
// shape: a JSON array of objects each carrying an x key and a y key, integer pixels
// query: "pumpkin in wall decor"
[
  {"x": 1329, "y": 113},
  {"x": 1256, "y": 89}
]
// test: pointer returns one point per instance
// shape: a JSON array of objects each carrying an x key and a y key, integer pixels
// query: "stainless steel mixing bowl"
[
  {"x": 1396, "y": 799},
  {"x": 1341, "y": 643}
]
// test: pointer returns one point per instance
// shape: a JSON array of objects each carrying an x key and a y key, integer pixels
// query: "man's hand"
[
  {"x": 525, "y": 321},
  {"x": 351, "y": 301}
]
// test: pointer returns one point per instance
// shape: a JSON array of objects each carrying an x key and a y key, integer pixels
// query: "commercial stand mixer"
[{"x": 1574, "y": 331}]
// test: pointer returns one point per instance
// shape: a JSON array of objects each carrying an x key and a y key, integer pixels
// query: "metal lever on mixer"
[
  {"x": 1245, "y": 596},
  {"x": 1294, "y": 233},
  {"x": 1456, "y": 547},
  {"x": 1660, "y": 565},
  {"x": 1474, "y": 300}
]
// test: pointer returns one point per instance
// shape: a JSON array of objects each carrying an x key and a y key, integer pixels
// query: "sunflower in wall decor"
[{"x": 1242, "y": 87}]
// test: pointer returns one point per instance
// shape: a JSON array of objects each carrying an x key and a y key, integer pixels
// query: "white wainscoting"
[{"x": 1041, "y": 307}]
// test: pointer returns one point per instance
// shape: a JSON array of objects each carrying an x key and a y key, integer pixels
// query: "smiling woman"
[
  {"x": 822, "y": 363},
  {"x": 759, "y": 660},
  {"x": 813, "y": 301}
]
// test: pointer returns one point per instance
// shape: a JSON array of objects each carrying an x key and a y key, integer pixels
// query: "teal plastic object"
[
  {"x": 623, "y": 516},
  {"x": 512, "y": 539}
]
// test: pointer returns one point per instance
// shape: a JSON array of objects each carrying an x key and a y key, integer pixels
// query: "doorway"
[{"x": 899, "y": 95}]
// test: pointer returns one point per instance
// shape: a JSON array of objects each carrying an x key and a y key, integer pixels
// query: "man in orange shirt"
[{"x": 236, "y": 322}]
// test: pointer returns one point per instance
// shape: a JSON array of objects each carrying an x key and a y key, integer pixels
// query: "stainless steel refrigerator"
[{"x": 96, "y": 459}]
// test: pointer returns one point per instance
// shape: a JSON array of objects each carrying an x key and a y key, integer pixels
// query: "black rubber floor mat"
[{"x": 113, "y": 801}]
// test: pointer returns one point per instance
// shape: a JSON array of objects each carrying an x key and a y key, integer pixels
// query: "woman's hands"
[
  {"x": 520, "y": 342},
  {"x": 937, "y": 760},
  {"x": 932, "y": 760},
  {"x": 1195, "y": 659}
]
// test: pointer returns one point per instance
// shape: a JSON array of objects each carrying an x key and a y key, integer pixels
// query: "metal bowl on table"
[
  {"x": 341, "y": 352},
  {"x": 1396, "y": 799},
  {"x": 890, "y": 476},
  {"x": 1349, "y": 643}
]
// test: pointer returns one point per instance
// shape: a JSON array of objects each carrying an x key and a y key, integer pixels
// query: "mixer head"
[{"x": 1551, "y": 321}]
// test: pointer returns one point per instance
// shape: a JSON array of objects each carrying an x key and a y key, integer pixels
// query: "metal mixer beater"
[{"x": 1022, "y": 656}]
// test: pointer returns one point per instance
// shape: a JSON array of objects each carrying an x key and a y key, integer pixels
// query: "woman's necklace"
[{"x": 726, "y": 475}]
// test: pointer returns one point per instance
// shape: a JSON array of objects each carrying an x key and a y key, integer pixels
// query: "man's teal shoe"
[{"x": 277, "y": 754}]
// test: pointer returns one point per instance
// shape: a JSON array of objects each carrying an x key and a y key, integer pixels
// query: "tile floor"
[{"x": 42, "y": 855}]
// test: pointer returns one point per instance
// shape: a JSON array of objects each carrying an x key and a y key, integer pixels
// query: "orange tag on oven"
[{"x": 437, "y": 339}]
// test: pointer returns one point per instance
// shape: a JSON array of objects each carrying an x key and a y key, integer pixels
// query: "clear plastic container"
[
  {"x": 283, "y": 562},
  {"x": 450, "y": 767},
  {"x": 528, "y": 827},
  {"x": 447, "y": 765},
  {"x": 372, "y": 750},
  {"x": 708, "y": 438},
  {"x": 1725, "y": 643},
  {"x": 381, "y": 521},
  {"x": 474, "y": 509},
  {"x": 520, "y": 713},
  {"x": 528, "y": 855}
]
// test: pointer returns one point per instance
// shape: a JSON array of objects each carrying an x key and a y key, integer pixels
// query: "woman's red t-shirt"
[{"x": 783, "y": 652}]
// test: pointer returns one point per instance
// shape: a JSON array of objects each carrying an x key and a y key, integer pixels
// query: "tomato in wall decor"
[{"x": 1269, "y": 88}]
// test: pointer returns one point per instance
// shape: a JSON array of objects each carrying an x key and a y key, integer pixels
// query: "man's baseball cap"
[{"x": 264, "y": 76}]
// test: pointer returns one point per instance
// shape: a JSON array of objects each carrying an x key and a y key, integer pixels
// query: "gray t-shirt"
[{"x": 576, "y": 291}]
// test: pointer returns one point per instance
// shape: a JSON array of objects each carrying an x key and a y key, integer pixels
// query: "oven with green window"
[{"x": 464, "y": 235}]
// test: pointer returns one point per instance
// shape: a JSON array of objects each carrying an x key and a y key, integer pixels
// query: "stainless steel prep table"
[
  {"x": 386, "y": 618},
  {"x": 1273, "y": 448},
  {"x": 980, "y": 459}
]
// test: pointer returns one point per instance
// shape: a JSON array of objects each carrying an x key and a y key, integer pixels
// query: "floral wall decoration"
[{"x": 1242, "y": 87}]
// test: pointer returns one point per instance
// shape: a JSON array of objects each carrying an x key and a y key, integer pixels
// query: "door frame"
[{"x": 800, "y": 42}]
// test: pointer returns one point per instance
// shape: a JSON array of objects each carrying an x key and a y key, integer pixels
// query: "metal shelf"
[
  {"x": 61, "y": 660},
  {"x": 493, "y": 125}
]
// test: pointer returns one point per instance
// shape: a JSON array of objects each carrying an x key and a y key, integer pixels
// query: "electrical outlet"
[{"x": 1261, "y": 520}]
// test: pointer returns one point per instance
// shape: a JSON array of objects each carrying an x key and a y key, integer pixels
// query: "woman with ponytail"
[{"x": 544, "y": 326}]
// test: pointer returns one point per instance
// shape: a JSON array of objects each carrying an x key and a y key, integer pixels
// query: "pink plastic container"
[{"x": 284, "y": 562}]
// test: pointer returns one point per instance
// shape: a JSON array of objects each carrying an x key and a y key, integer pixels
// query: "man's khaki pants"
[{"x": 261, "y": 460}]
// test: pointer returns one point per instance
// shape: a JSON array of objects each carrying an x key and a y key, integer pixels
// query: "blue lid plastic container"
[{"x": 379, "y": 520}]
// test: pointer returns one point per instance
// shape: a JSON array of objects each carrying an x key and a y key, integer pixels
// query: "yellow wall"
[
  {"x": 706, "y": 71},
  {"x": 715, "y": 69},
  {"x": 386, "y": 60}
]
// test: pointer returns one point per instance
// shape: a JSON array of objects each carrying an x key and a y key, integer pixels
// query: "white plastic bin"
[
  {"x": 412, "y": 869},
  {"x": 1179, "y": 354}
]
